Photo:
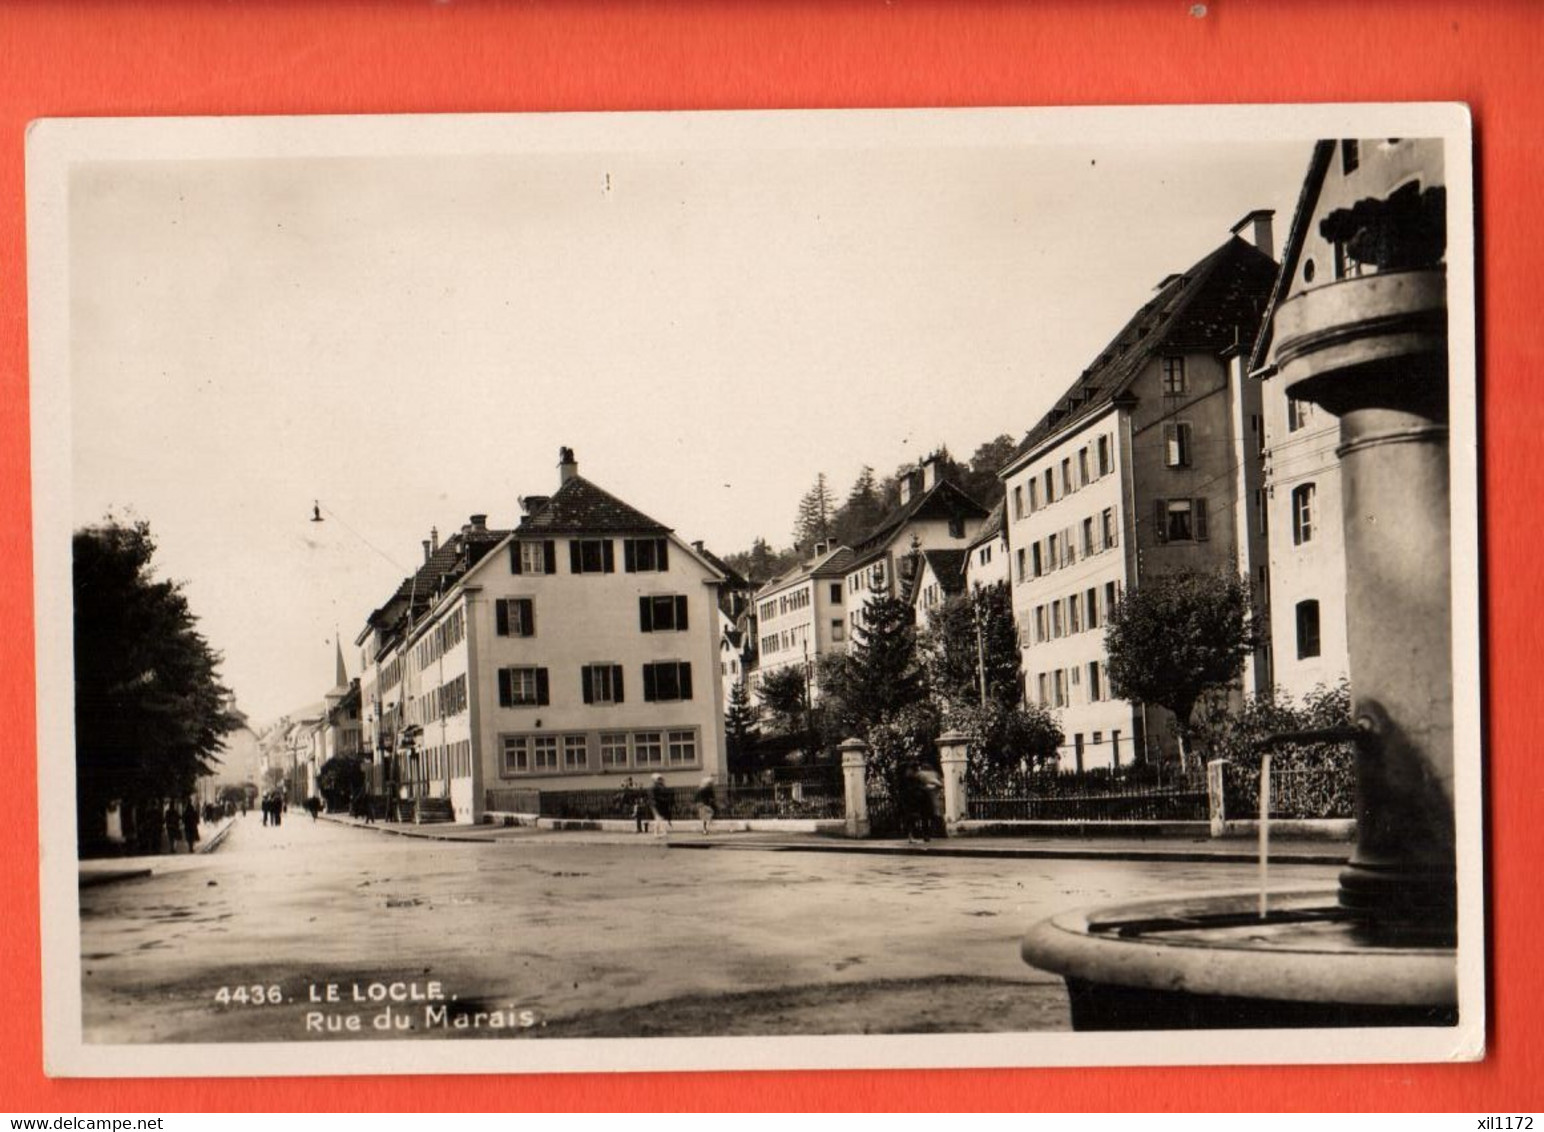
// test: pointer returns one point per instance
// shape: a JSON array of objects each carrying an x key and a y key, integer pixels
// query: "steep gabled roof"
[
  {"x": 419, "y": 590},
  {"x": 941, "y": 501},
  {"x": 579, "y": 507},
  {"x": 948, "y": 567},
  {"x": 1292, "y": 250},
  {"x": 832, "y": 564},
  {"x": 992, "y": 528},
  {"x": 732, "y": 577},
  {"x": 1216, "y": 304}
]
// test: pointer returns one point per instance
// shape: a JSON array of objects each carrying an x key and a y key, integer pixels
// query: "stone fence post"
[
  {"x": 855, "y": 785},
  {"x": 953, "y": 748},
  {"x": 1217, "y": 806}
]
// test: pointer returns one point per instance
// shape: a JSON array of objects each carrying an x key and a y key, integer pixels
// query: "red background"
[{"x": 324, "y": 57}]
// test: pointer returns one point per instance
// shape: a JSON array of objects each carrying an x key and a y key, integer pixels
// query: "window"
[
  {"x": 1018, "y": 501},
  {"x": 1103, "y": 448},
  {"x": 1050, "y": 487},
  {"x": 669, "y": 680},
  {"x": 515, "y": 617},
  {"x": 1053, "y": 551},
  {"x": 683, "y": 747},
  {"x": 576, "y": 752},
  {"x": 1036, "y": 559},
  {"x": 1040, "y": 624},
  {"x": 544, "y": 752},
  {"x": 1181, "y": 520},
  {"x": 1107, "y": 526},
  {"x": 956, "y": 526},
  {"x": 533, "y": 557},
  {"x": 1056, "y": 619},
  {"x": 662, "y": 613},
  {"x": 1176, "y": 444},
  {"x": 1173, "y": 374},
  {"x": 1302, "y": 513},
  {"x": 645, "y": 555},
  {"x": 1091, "y": 604},
  {"x": 601, "y": 683},
  {"x": 1095, "y": 686},
  {"x": 1083, "y": 466},
  {"x": 1066, "y": 479},
  {"x": 836, "y": 593},
  {"x": 1034, "y": 494},
  {"x": 1307, "y": 629},
  {"x": 523, "y": 687},
  {"x": 1088, "y": 536},
  {"x": 1019, "y": 556},
  {"x": 648, "y": 749},
  {"x": 1299, "y": 414},
  {"x": 517, "y": 754},
  {"x": 1074, "y": 614},
  {"x": 591, "y": 556},
  {"x": 1262, "y": 512},
  {"x": 1059, "y": 687},
  {"x": 1111, "y": 597},
  {"x": 984, "y": 555},
  {"x": 1042, "y": 683},
  {"x": 1347, "y": 266},
  {"x": 613, "y": 749},
  {"x": 838, "y": 630}
]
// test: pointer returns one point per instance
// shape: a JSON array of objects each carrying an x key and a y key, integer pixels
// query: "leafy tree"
[
  {"x": 784, "y": 693},
  {"x": 150, "y": 711},
  {"x": 739, "y": 724},
  {"x": 339, "y": 779},
  {"x": 1006, "y": 741},
  {"x": 979, "y": 480},
  {"x": 1177, "y": 637},
  {"x": 880, "y": 674},
  {"x": 969, "y": 634},
  {"x": 907, "y": 734},
  {"x": 816, "y": 512}
]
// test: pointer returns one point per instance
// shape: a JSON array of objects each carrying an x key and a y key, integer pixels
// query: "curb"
[
  {"x": 95, "y": 880},
  {"x": 1192, "y": 856}
]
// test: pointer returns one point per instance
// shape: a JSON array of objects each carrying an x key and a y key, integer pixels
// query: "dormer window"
[{"x": 1174, "y": 374}]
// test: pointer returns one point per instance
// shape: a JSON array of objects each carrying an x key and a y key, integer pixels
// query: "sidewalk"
[
  {"x": 108, "y": 870},
  {"x": 1091, "y": 848}
]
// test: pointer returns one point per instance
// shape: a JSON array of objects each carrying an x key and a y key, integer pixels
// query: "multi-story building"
[
  {"x": 801, "y": 615},
  {"x": 1136, "y": 470},
  {"x": 1337, "y": 234},
  {"x": 986, "y": 558},
  {"x": 577, "y": 650},
  {"x": 939, "y": 575}
]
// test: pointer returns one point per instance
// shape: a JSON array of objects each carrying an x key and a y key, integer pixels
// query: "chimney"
[
  {"x": 568, "y": 467},
  {"x": 697, "y": 545},
  {"x": 821, "y": 546},
  {"x": 1255, "y": 229},
  {"x": 427, "y": 551},
  {"x": 434, "y": 539},
  {"x": 908, "y": 486},
  {"x": 479, "y": 522},
  {"x": 530, "y": 504},
  {"x": 930, "y": 472}
]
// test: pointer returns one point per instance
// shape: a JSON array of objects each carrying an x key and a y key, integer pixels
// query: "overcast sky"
[{"x": 410, "y": 340}]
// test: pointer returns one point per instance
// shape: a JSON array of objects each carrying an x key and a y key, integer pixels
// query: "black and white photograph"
[{"x": 793, "y": 589}]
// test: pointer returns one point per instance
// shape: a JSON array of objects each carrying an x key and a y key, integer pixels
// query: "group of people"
[
  {"x": 161, "y": 829},
  {"x": 920, "y": 801},
  {"x": 656, "y": 804},
  {"x": 273, "y": 808}
]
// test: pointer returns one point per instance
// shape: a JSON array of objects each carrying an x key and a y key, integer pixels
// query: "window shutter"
[
  {"x": 501, "y": 617},
  {"x": 1114, "y": 532},
  {"x": 575, "y": 560},
  {"x": 549, "y": 552},
  {"x": 1160, "y": 519},
  {"x": 645, "y": 615},
  {"x": 648, "y": 684},
  {"x": 610, "y": 557},
  {"x": 585, "y": 685},
  {"x": 616, "y": 683},
  {"x": 630, "y": 555},
  {"x": 514, "y": 557},
  {"x": 1199, "y": 506},
  {"x": 680, "y": 611},
  {"x": 505, "y": 695},
  {"x": 685, "y": 672},
  {"x": 662, "y": 555},
  {"x": 542, "y": 687},
  {"x": 527, "y": 617}
]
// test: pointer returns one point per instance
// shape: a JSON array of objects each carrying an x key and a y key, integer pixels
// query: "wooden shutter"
[
  {"x": 542, "y": 687},
  {"x": 645, "y": 615},
  {"x": 662, "y": 555},
  {"x": 684, "y": 670},
  {"x": 527, "y": 617},
  {"x": 514, "y": 557},
  {"x": 610, "y": 562},
  {"x": 649, "y": 691},
  {"x": 549, "y": 553},
  {"x": 680, "y": 611},
  {"x": 1161, "y": 519},
  {"x": 506, "y": 696},
  {"x": 616, "y": 683},
  {"x": 501, "y": 617},
  {"x": 630, "y": 555},
  {"x": 1199, "y": 514},
  {"x": 586, "y": 684},
  {"x": 575, "y": 557}
]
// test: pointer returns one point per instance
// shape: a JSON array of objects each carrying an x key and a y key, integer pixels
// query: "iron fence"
[
  {"x": 1327, "y": 790},
  {"x": 512, "y": 800},
  {"x": 1091, "y": 796}
]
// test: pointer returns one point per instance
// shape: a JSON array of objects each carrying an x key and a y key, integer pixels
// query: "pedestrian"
[
  {"x": 173, "y": 822},
  {"x": 266, "y": 807},
  {"x": 707, "y": 802},
  {"x": 278, "y": 808},
  {"x": 190, "y": 825},
  {"x": 659, "y": 804},
  {"x": 913, "y": 804},
  {"x": 313, "y": 806}
]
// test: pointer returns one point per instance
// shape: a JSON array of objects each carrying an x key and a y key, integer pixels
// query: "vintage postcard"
[{"x": 756, "y": 590}]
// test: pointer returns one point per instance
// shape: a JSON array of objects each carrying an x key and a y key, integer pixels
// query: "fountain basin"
[{"x": 1212, "y": 963}]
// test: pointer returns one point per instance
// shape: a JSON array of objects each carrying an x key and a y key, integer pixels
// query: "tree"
[
  {"x": 815, "y": 514},
  {"x": 150, "y": 711},
  {"x": 1177, "y": 637},
  {"x": 980, "y": 481},
  {"x": 1005, "y": 741},
  {"x": 880, "y": 674},
  {"x": 739, "y": 724},
  {"x": 785, "y": 694},
  {"x": 339, "y": 779},
  {"x": 969, "y": 635},
  {"x": 862, "y": 510}
]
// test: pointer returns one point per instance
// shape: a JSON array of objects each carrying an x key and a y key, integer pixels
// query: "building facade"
[
  {"x": 1135, "y": 472},
  {"x": 801, "y": 616}
]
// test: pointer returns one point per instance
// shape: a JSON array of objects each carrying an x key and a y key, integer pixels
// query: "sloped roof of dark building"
[
  {"x": 579, "y": 507},
  {"x": 420, "y": 589},
  {"x": 948, "y": 567},
  {"x": 1218, "y": 303},
  {"x": 990, "y": 529},
  {"x": 832, "y": 564},
  {"x": 732, "y": 577},
  {"x": 944, "y": 500}
]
